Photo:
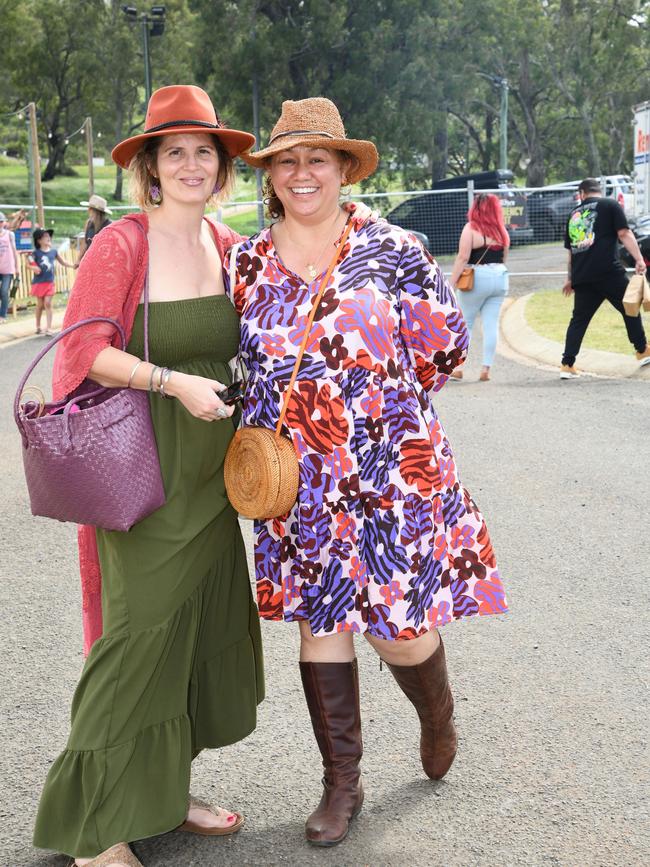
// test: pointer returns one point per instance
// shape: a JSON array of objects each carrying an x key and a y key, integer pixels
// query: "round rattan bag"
[
  {"x": 261, "y": 467},
  {"x": 261, "y": 473}
]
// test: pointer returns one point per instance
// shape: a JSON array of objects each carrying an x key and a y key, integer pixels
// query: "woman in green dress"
[{"x": 178, "y": 666}]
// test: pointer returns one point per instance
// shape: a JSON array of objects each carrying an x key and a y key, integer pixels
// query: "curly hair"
[
  {"x": 143, "y": 167},
  {"x": 274, "y": 207}
]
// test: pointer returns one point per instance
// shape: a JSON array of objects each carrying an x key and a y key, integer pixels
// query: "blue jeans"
[
  {"x": 486, "y": 298},
  {"x": 5, "y": 285}
]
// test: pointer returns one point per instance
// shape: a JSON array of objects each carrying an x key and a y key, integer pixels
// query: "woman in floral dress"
[{"x": 383, "y": 539}]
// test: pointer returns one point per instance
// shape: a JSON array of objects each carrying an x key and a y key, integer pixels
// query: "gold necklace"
[{"x": 312, "y": 267}]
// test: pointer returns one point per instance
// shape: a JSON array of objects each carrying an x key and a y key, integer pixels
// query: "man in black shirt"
[{"x": 595, "y": 271}]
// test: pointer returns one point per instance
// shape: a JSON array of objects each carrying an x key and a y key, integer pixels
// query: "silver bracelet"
[
  {"x": 164, "y": 379},
  {"x": 135, "y": 367},
  {"x": 151, "y": 378}
]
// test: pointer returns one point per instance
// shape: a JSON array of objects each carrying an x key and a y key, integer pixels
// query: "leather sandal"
[
  {"x": 195, "y": 828},
  {"x": 119, "y": 855}
]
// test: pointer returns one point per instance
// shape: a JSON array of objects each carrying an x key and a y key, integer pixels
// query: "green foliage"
[{"x": 415, "y": 76}]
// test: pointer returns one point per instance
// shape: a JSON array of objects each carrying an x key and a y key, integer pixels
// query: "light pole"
[
  {"x": 153, "y": 24},
  {"x": 502, "y": 83}
]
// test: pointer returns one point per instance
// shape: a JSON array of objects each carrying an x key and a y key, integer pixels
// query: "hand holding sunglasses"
[{"x": 232, "y": 394}]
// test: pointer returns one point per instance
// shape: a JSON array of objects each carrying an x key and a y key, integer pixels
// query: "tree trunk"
[
  {"x": 593, "y": 153},
  {"x": 56, "y": 148},
  {"x": 440, "y": 155},
  {"x": 525, "y": 95},
  {"x": 489, "y": 142}
]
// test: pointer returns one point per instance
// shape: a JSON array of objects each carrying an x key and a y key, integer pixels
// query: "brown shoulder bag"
[{"x": 465, "y": 282}]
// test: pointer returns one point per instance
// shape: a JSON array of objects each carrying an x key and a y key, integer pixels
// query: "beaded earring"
[
  {"x": 155, "y": 194},
  {"x": 217, "y": 189}
]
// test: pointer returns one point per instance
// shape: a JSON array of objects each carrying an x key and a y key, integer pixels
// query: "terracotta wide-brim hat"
[
  {"x": 316, "y": 123},
  {"x": 181, "y": 108}
]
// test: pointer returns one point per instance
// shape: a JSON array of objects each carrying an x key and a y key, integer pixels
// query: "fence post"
[
  {"x": 36, "y": 163},
  {"x": 470, "y": 194}
]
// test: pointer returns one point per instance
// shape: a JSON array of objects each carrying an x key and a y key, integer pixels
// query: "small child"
[{"x": 41, "y": 260}]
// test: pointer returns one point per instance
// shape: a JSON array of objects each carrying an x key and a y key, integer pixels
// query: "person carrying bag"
[
  {"x": 484, "y": 244},
  {"x": 175, "y": 659}
]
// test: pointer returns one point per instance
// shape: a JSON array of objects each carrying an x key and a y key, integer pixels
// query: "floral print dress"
[{"x": 383, "y": 537}]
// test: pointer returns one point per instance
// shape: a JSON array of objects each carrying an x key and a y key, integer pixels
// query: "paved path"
[{"x": 552, "y": 700}]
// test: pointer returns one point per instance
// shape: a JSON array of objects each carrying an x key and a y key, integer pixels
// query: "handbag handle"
[
  {"x": 310, "y": 321},
  {"x": 49, "y": 346},
  {"x": 145, "y": 296},
  {"x": 79, "y": 324}
]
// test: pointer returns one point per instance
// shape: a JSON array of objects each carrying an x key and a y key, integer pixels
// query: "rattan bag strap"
[{"x": 310, "y": 322}]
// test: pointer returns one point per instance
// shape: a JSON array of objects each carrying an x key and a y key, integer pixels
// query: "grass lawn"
[
  {"x": 548, "y": 314},
  {"x": 70, "y": 190}
]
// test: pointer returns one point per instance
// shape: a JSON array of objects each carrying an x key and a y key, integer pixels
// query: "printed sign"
[{"x": 642, "y": 159}]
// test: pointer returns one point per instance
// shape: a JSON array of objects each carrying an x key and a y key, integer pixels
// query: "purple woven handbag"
[{"x": 91, "y": 458}]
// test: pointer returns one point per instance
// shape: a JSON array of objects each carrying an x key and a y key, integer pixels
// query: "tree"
[
  {"x": 597, "y": 59},
  {"x": 54, "y": 63}
]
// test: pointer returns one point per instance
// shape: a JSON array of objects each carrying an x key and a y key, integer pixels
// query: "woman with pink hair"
[{"x": 483, "y": 244}]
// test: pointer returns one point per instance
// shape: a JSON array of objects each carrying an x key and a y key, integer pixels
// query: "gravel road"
[{"x": 551, "y": 700}]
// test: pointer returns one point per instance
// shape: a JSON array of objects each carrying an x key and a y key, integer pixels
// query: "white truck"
[{"x": 642, "y": 159}]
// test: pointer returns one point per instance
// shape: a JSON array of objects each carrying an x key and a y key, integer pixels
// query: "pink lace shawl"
[{"x": 109, "y": 283}]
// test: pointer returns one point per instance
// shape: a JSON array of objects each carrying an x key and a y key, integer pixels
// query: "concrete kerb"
[
  {"x": 519, "y": 340},
  {"x": 24, "y": 326}
]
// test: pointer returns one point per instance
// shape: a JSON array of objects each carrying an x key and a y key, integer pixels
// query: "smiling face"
[
  {"x": 307, "y": 181},
  {"x": 187, "y": 167}
]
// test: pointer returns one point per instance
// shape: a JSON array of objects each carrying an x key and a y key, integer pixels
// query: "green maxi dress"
[{"x": 179, "y": 665}]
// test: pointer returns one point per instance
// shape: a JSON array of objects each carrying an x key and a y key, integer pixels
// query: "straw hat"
[
  {"x": 316, "y": 123},
  {"x": 181, "y": 108},
  {"x": 99, "y": 203}
]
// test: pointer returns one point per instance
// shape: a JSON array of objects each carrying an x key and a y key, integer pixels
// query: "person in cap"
[
  {"x": 98, "y": 219},
  {"x": 175, "y": 661},
  {"x": 8, "y": 265},
  {"x": 594, "y": 229},
  {"x": 383, "y": 539},
  {"x": 41, "y": 261}
]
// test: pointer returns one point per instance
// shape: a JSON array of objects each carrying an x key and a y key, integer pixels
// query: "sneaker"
[
  {"x": 644, "y": 357},
  {"x": 567, "y": 372}
]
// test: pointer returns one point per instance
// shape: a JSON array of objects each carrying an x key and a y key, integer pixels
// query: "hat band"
[
  {"x": 301, "y": 132},
  {"x": 171, "y": 123}
]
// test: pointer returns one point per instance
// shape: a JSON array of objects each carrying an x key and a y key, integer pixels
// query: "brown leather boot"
[
  {"x": 332, "y": 693},
  {"x": 427, "y": 688}
]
